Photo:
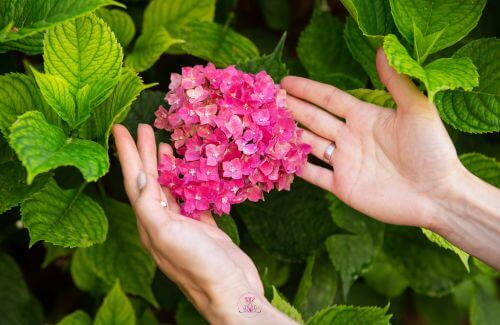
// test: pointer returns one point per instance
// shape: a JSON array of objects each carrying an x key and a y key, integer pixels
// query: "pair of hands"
[{"x": 389, "y": 164}]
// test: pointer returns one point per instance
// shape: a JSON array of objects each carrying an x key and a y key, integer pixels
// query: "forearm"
[{"x": 468, "y": 215}]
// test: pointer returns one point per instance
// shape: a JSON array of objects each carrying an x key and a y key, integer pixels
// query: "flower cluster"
[{"x": 234, "y": 135}]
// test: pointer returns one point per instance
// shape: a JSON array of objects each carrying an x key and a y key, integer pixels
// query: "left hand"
[{"x": 199, "y": 257}]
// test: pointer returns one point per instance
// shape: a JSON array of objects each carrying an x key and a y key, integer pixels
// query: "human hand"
[
  {"x": 199, "y": 257},
  {"x": 389, "y": 164}
]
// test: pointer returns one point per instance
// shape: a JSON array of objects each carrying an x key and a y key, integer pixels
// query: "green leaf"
[
  {"x": 429, "y": 270},
  {"x": 373, "y": 16},
  {"x": 216, "y": 43},
  {"x": 362, "y": 50},
  {"x": 31, "y": 16},
  {"x": 484, "y": 308},
  {"x": 271, "y": 63},
  {"x": 55, "y": 91},
  {"x": 352, "y": 253},
  {"x": 116, "y": 309},
  {"x": 84, "y": 276},
  {"x": 53, "y": 252},
  {"x": 275, "y": 271},
  {"x": 42, "y": 147},
  {"x": 478, "y": 110},
  {"x": 227, "y": 224},
  {"x": 324, "y": 53},
  {"x": 70, "y": 54},
  {"x": 318, "y": 286},
  {"x": 186, "y": 314},
  {"x": 276, "y": 13},
  {"x": 13, "y": 187},
  {"x": 114, "y": 108},
  {"x": 280, "y": 303},
  {"x": 149, "y": 47},
  {"x": 66, "y": 218},
  {"x": 135, "y": 269},
  {"x": 344, "y": 315},
  {"x": 384, "y": 278},
  {"x": 120, "y": 23},
  {"x": 289, "y": 225},
  {"x": 450, "y": 19},
  {"x": 486, "y": 168},
  {"x": 17, "y": 305},
  {"x": 31, "y": 45},
  {"x": 175, "y": 14},
  {"x": 78, "y": 317},
  {"x": 142, "y": 111},
  {"x": 441, "y": 242},
  {"x": 374, "y": 96},
  {"x": 148, "y": 318},
  {"x": 19, "y": 94},
  {"x": 441, "y": 74}
]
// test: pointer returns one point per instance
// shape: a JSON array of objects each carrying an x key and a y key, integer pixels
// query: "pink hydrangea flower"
[{"x": 234, "y": 137}]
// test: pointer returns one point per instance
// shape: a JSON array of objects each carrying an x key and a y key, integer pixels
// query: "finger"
[
  {"x": 146, "y": 145},
  {"x": 318, "y": 176},
  {"x": 328, "y": 97},
  {"x": 403, "y": 90},
  {"x": 166, "y": 149},
  {"x": 148, "y": 206},
  {"x": 315, "y": 119},
  {"x": 318, "y": 144},
  {"x": 130, "y": 160}
]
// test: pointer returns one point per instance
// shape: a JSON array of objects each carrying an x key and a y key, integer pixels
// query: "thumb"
[{"x": 403, "y": 90}]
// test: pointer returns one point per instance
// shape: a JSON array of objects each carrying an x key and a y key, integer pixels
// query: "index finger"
[
  {"x": 328, "y": 97},
  {"x": 129, "y": 160}
]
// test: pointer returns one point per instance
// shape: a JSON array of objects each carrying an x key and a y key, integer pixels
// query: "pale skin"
[{"x": 397, "y": 166}]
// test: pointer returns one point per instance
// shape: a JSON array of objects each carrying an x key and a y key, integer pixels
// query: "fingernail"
[{"x": 141, "y": 180}]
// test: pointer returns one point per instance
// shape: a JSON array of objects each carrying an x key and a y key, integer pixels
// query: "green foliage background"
[{"x": 70, "y": 69}]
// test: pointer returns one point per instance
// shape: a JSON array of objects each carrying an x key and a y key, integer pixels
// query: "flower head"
[{"x": 234, "y": 137}]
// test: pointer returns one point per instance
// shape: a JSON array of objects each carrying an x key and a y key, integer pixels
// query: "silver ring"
[
  {"x": 327, "y": 155},
  {"x": 164, "y": 203}
]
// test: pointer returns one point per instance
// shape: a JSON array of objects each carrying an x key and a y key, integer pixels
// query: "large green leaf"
[
  {"x": 345, "y": 315},
  {"x": 384, "y": 278},
  {"x": 85, "y": 54},
  {"x": 28, "y": 17},
  {"x": 362, "y": 50},
  {"x": 324, "y": 53},
  {"x": 19, "y": 94},
  {"x": 76, "y": 318},
  {"x": 441, "y": 74},
  {"x": 84, "y": 276},
  {"x": 174, "y": 14},
  {"x": 484, "y": 308},
  {"x": 318, "y": 286},
  {"x": 121, "y": 256},
  {"x": 142, "y": 111},
  {"x": 216, "y": 43},
  {"x": 227, "y": 224},
  {"x": 186, "y": 314},
  {"x": 353, "y": 253},
  {"x": 116, "y": 309},
  {"x": 42, "y": 147},
  {"x": 114, "y": 108},
  {"x": 120, "y": 23},
  {"x": 429, "y": 270},
  {"x": 289, "y": 225},
  {"x": 271, "y": 63},
  {"x": 13, "y": 186},
  {"x": 31, "y": 45},
  {"x": 449, "y": 20},
  {"x": 66, "y": 218},
  {"x": 486, "y": 168},
  {"x": 373, "y": 16},
  {"x": 279, "y": 302},
  {"x": 478, "y": 110},
  {"x": 276, "y": 13},
  {"x": 441, "y": 242},
  {"x": 17, "y": 305},
  {"x": 149, "y": 47}
]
